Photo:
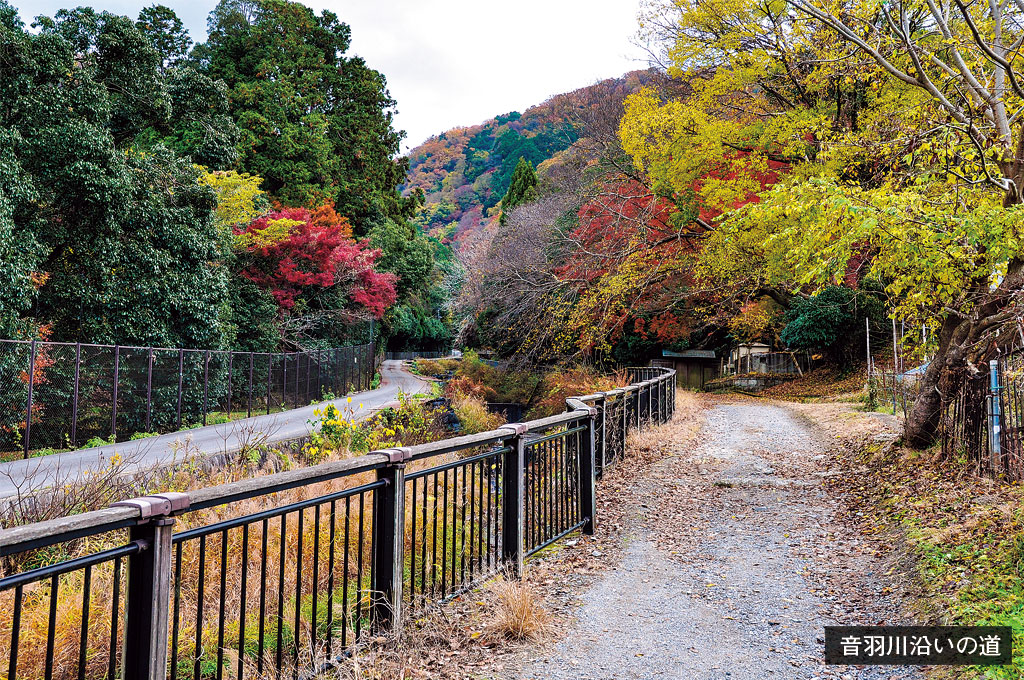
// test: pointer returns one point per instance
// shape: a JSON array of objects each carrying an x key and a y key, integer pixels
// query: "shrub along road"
[
  {"x": 729, "y": 562},
  {"x": 24, "y": 476}
]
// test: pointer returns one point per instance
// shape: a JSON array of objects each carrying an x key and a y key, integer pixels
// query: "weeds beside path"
[{"x": 729, "y": 558}]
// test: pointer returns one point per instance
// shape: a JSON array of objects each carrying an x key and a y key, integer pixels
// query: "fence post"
[
  {"x": 284, "y": 379},
  {"x": 206, "y": 383},
  {"x": 144, "y": 651},
  {"x": 181, "y": 375},
  {"x": 388, "y": 541},
  {"x": 28, "y": 399},
  {"x": 74, "y": 396},
  {"x": 113, "y": 412},
  {"x": 149, "y": 388},
  {"x": 248, "y": 407},
  {"x": 231, "y": 366},
  {"x": 665, "y": 400},
  {"x": 513, "y": 467},
  {"x": 601, "y": 442},
  {"x": 588, "y": 493},
  {"x": 995, "y": 440},
  {"x": 270, "y": 378}
]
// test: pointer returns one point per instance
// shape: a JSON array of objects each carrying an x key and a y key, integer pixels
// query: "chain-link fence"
[{"x": 57, "y": 395}]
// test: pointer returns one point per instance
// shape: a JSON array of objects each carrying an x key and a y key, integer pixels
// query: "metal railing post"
[
  {"x": 600, "y": 440},
  {"x": 513, "y": 467},
  {"x": 623, "y": 399},
  {"x": 248, "y": 408},
  {"x": 585, "y": 470},
  {"x": 206, "y": 383},
  {"x": 652, "y": 404},
  {"x": 144, "y": 651},
  {"x": 270, "y": 378},
  {"x": 149, "y": 389},
  {"x": 231, "y": 366},
  {"x": 636, "y": 414},
  {"x": 388, "y": 542}
]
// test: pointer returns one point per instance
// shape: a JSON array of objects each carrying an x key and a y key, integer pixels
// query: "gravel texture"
[{"x": 732, "y": 562}]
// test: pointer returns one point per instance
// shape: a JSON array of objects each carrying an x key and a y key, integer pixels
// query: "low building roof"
[{"x": 690, "y": 354}]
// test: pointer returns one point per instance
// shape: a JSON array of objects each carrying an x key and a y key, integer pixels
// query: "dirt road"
[{"x": 730, "y": 565}]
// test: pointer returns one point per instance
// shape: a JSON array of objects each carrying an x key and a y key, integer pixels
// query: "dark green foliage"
[
  {"x": 252, "y": 317},
  {"x": 414, "y": 327},
  {"x": 831, "y": 321},
  {"x": 200, "y": 125},
  {"x": 404, "y": 252},
  {"x": 166, "y": 33},
  {"x": 112, "y": 53},
  {"x": 316, "y": 124},
  {"x": 522, "y": 189},
  {"x": 19, "y": 250},
  {"x": 127, "y": 238}
]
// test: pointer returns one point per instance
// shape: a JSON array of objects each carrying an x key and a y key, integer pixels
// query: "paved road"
[
  {"x": 71, "y": 466},
  {"x": 753, "y": 575}
]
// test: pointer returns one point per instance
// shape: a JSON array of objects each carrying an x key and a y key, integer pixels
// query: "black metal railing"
[
  {"x": 60, "y": 395},
  {"x": 276, "y": 575}
]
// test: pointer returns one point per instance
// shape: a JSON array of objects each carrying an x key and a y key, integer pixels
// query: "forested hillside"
[
  {"x": 465, "y": 172},
  {"x": 239, "y": 193}
]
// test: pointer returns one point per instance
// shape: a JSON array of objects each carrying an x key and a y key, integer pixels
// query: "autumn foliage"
[{"x": 294, "y": 252}]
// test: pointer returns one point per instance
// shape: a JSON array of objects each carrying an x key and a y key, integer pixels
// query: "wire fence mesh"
[{"x": 56, "y": 396}]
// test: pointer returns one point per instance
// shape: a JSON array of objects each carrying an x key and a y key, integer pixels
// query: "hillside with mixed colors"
[{"x": 465, "y": 171}]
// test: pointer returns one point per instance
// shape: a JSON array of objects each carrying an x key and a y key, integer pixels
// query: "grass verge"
[{"x": 965, "y": 533}]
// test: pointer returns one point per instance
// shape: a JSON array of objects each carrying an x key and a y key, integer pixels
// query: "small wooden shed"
[{"x": 694, "y": 367}]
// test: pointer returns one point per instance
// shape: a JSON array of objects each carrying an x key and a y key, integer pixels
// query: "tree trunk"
[{"x": 923, "y": 423}]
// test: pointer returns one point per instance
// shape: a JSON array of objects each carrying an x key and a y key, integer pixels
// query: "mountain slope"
[{"x": 465, "y": 171}]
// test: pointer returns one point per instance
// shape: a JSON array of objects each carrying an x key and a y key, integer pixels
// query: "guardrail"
[
  {"x": 310, "y": 559},
  {"x": 60, "y": 394}
]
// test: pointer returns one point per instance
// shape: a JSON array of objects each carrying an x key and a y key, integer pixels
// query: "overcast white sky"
[{"x": 456, "y": 62}]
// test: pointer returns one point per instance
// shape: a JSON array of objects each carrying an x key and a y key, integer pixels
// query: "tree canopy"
[{"x": 211, "y": 197}]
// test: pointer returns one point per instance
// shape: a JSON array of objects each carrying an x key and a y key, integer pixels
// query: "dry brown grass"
[
  {"x": 520, "y": 614},
  {"x": 494, "y": 620}
]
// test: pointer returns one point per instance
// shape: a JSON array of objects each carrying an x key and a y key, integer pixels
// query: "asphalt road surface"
[{"x": 226, "y": 438}]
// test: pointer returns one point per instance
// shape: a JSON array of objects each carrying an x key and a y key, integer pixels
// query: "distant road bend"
[{"x": 72, "y": 466}]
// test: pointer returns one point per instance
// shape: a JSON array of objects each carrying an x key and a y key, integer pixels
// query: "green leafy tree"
[
  {"x": 166, "y": 32},
  {"x": 128, "y": 249},
  {"x": 200, "y": 125},
  {"x": 316, "y": 124},
  {"x": 831, "y": 321},
  {"x": 406, "y": 253},
  {"x": 522, "y": 189}
]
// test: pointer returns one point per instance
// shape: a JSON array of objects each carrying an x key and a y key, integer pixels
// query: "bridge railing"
[
  {"x": 274, "y": 575},
  {"x": 59, "y": 395}
]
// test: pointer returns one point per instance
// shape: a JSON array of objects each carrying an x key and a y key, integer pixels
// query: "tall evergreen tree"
[
  {"x": 166, "y": 31},
  {"x": 316, "y": 124},
  {"x": 522, "y": 189}
]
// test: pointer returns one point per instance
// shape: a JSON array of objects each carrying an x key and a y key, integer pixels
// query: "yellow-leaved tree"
[{"x": 880, "y": 132}]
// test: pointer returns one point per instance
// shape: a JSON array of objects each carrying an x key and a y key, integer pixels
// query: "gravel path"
[
  {"x": 72, "y": 466},
  {"x": 733, "y": 569}
]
